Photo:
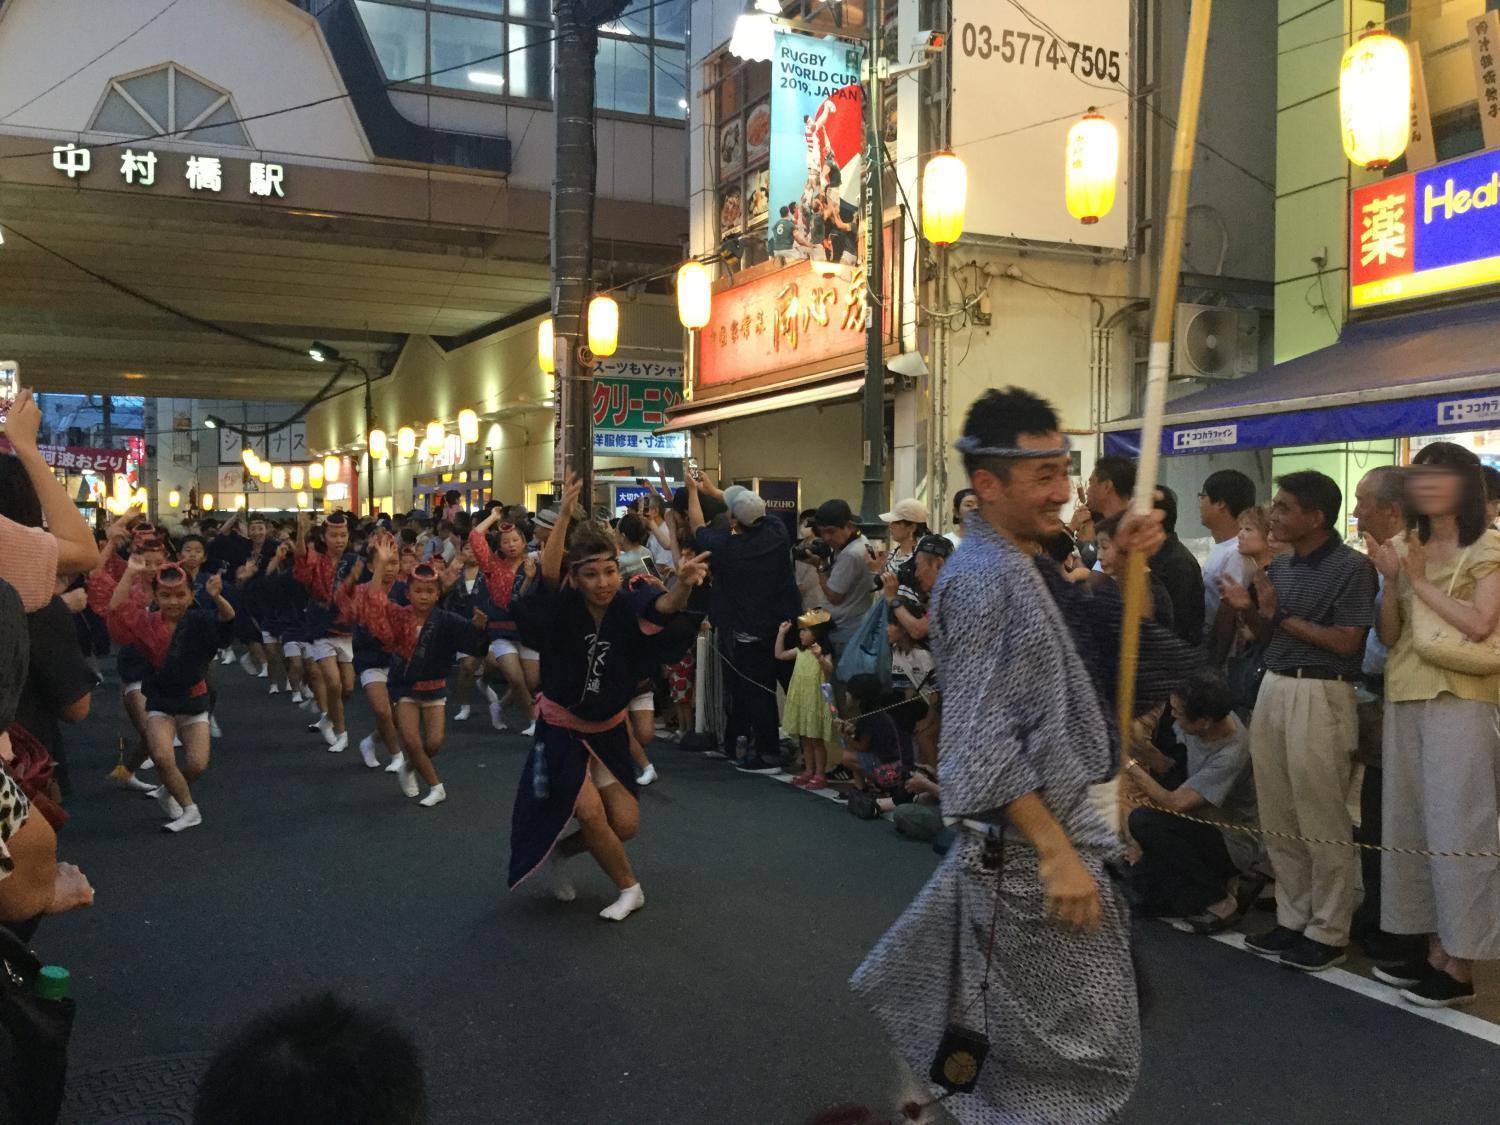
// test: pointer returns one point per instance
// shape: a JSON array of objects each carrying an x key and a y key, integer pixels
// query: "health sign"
[{"x": 1426, "y": 233}]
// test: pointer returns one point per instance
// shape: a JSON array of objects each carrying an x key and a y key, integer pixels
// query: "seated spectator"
[
  {"x": 1187, "y": 869},
  {"x": 31, "y": 559},
  {"x": 881, "y": 747},
  {"x": 317, "y": 1062}
]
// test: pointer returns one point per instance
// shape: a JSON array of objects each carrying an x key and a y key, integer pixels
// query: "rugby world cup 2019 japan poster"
[{"x": 817, "y": 164}]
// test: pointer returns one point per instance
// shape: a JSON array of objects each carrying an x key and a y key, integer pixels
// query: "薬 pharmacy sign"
[{"x": 1427, "y": 233}]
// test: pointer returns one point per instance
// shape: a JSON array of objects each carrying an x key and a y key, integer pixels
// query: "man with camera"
[
  {"x": 906, "y": 590},
  {"x": 845, "y": 580}
]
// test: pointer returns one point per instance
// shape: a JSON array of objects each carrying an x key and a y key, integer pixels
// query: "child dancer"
[
  {"x": 423, "y": 642},
  {"x": 507, "y": 575},
  {"x": 179, "y": 639},
  {"x": 596, "y": 642},
  {"x": 807, "y": 716},
  {"x": 469, "y": 593},
  {"x": 372, "y": 664},
  {"x": 322, "y": 571}
]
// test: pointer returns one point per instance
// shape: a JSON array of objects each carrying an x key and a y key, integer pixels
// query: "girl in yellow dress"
[{"x": 807, "y": 716}]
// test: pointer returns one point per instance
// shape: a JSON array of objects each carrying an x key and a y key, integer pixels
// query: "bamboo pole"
[{"x": 1162, "y": 320}]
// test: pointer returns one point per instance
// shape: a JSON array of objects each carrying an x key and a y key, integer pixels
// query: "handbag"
[
  {"x": 1439, "y": 642},
  {"x": 34, "y": 1034},
  {"x": 869, "y": 650}
]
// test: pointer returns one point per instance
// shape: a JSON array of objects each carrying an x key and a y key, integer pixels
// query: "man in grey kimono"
[{"x": 1020, "y": 935}]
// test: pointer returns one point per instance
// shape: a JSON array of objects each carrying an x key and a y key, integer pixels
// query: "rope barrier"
[{"x": 1141, "y": 802}]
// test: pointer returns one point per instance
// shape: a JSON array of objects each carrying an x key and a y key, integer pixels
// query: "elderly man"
[
  {"x": 757, "y": 591},
  {"x": 1009, "y": 980}
]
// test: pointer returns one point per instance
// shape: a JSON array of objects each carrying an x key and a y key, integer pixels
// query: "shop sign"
[
  {"x": 76, "y": 459},
  {"x": 629, "y": 407},
  {"x": 1426, "y": 233},
  {"x": 200, "y": 173},
  {"x": 628, "y": 494},
  {"x": 1205, "y": 437},
  {"x": 1471, "y": 412},
  {"x": 285, "y": 446},
  {"x": 1008, "y": 66},
  {"x": 806, "y": 314},
  {"x": 1484, "y": 52},
  {"x": 817, "y": 138}
]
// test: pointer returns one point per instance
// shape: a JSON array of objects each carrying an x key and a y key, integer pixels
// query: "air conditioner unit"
[{"x": 1211, "y": 342}]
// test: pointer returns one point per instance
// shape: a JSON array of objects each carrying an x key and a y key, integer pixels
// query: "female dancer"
[
  {"x": 596, "y": 642},
  {"x": 423, "y": 642},
  {"x": 469, "y": 593},
  {"x": 372, "y": 664},
  {"x": 507, "y": 576},
  {"x": 179, "y": 639},
  {"x": 322, "y": 571}
]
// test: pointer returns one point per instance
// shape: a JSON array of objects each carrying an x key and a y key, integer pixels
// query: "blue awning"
[{"x": 1423, "y": 373}]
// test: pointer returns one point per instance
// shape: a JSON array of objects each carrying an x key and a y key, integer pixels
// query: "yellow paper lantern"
[
  {"x": 604, "y": 326},
  {"x": 695, "y": 293},
  {"x": 315, "y": 475},
  {"x": 468, "y": 426},
  {"x": 295, "y": 476},
  {"x": 263, "y": 472},
  {"x": 1091, "y": 167},
  {"x": 247, "y": 455},
  {"x": 377, "y": 444},
  {"x": 945, "y": 194},
  {"x": 331, "y": 468},
  {"x": 303, "y": 500},
  {"x": 1375, "y": 99},
  {"x": 406, "y": 443},
  {"x": 174, "y": 498},
  {"x": 206, "y": 501},
  {"x": 435, "y": 435},
  {"x": 278, "y": 478},
  {"x": 545, "y": 353}
]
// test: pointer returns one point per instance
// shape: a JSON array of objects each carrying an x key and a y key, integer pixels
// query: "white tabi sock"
[{"x": 631, "y": 899}]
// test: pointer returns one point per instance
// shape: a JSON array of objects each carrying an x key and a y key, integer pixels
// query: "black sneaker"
[
  {"x": 1439, "y": 990},
  {"x": 1406, "y": 974},
  {"x": 755, "y": 764},
  {"x": 839, "y": 772},
  {"x": 1309, "y": 956},
  {"x": 1272, "y": 943}
]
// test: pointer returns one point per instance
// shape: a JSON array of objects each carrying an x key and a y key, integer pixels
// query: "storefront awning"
[
  {"x": 1425, "y": 373},
  {"x": 692, "y": 416}
]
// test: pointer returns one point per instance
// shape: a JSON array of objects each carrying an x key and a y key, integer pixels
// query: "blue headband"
[{"x": 971, "y": 445}]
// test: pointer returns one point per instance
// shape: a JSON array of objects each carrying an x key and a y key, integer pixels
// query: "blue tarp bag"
[{"x": 869, "y": 651}]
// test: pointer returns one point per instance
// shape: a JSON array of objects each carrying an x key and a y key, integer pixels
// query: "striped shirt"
[{"x": 1333, "y": 585}]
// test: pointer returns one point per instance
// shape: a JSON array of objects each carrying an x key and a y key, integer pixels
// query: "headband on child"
[{"x": 171, "y": 575}]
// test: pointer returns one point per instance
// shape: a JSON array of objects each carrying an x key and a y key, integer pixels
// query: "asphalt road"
[{"x": 723, "y": 1001}]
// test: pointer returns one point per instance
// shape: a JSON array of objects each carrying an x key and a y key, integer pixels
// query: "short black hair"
[
  {"x": 1315, "y": 492},
  {"x": 1059, "y": 545},
  {"x": 1167, "y": 502},
  {"x": 1120, "y": 472},
  {"x": 194, "y": 538},
  {"x": 833, "y": 513},
  {"x": 1232, "y": 488},
  {"x": 319, "y": 1061},
  {"x": 1109, "y": 526},
  {"x": 783, "y": 212},
  {"x": 1491, "y": 482},
  {"x": 998, "y": 418},
  {"x": 18, "y": 499},
  {"x": 632, "y": 528},
  {"x": 1205, "y": 695}
]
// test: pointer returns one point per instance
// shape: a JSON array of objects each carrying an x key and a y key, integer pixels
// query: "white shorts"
[
  {"x": 182, "y": 721},
  {"x": 133, "y": 686},
  {"x": 340, "y": 647},
  {"x": 425, "y": 703},
  {"x": 269, "y": 638},
  {"x": 646, "y": 701},
  {"x": 374, "y": 676},
  {"x": 292, "y": 649},
  {"x": 503, "y": 647}
]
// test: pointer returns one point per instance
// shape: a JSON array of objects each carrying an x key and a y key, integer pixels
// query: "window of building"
[
  {"x": 738, "y": 97},
  {"x": 167, "y": 101},
  {"x": 503, "y": 48}
]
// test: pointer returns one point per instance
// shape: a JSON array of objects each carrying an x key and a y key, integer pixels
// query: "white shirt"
[{"x": 1223, "y": 558}]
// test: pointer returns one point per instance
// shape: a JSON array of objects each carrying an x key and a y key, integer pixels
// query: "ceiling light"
[
  {"x": 323, "y": 352},
  {"x": 213, "y": 421},
  {"x": 486, "y": 78}
]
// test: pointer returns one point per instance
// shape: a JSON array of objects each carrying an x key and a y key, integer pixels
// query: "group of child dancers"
[{"x": 550, "y": 620}]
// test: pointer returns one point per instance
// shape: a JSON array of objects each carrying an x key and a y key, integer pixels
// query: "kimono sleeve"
[
  {"x": 127, "y": 622},
  {"x": 537, "y": 613},
  {"x": 373, "y": 609},
  {"x": 985, "y": 762},
  {"x": 101, "y": 588}
]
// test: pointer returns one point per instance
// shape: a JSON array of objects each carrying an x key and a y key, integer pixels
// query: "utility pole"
[
  {"x": 576, "y": 23},
  {"x": 872, "y": 501}
]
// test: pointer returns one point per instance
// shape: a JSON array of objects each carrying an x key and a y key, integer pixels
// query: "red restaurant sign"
[{"x": 792, "y": 318}]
